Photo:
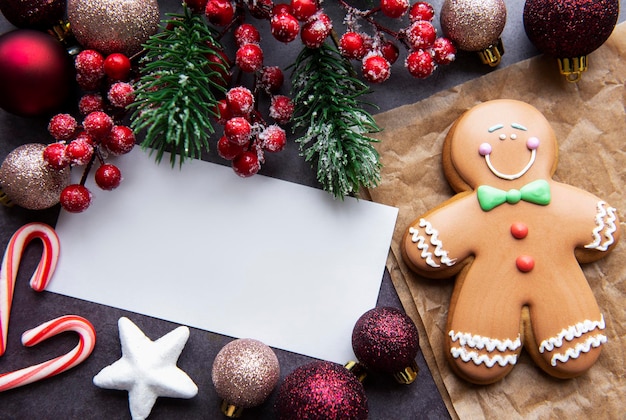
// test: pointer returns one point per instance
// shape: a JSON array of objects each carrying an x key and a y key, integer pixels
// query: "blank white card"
[{"x": 257, "y": 258}]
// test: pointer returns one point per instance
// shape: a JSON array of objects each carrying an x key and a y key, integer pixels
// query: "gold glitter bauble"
[
  {"x": 28, "y": 181},
  {"x": 110, "y": 26},
  {"x": 473, "y": 25}
]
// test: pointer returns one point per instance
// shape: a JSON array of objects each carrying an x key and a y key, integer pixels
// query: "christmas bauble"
[
  {"x": 386, "y": 340},
  {"x": 35, "y": 73},
  {"x": 28, "y": 181},
  {"x": 33, "y": 14},
  {"x": 475, "y": 25},
  {"x": 321, "y": 390},
  {"x": 110, "y": 26},
  {"x": 570, "y": 29},
  {"x": 245, "y": 372}
]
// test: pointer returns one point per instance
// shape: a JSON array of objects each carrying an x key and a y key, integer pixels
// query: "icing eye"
[
  {"x": 484, "y": 149},
  {"x": 513, "y": 136},
  {"x": 502, "y": 136},
  {"x": 532, "y": 143}
]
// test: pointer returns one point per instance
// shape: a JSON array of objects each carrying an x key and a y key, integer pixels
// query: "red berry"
[
  {"x": 274, "y": 138},
  {"x": 272, "y": 79},
  {"x": 108, "y": 177},
  {"x": 421, "y": 11},
  {"x": 121, "y": 94},
  {"x": 222, "y": 112},
  {"x": 445, "y": 51},
  {"x": 421, "y": 34},
  {"x": 303, "y": 9},
  {"x": 240, "y": 101},
  {"x": 281, "y": 109},
  {"x": 89, "y": 63},
  {"x": 238, "y": 130},
  {"x": 315, "y": 31},
  {"x": 420, "y": 64},
  {"x": 375, "y": 68},
  {"x": 279, "y": 8},
  {"x": 227, "y": 149},
  {"x": 246, "y": 164},
  {"x": 79, "y": 151},
  {"x": 120, "y": 140},
  {"x": 394, "y": 8},
  {"x": 75, "y": 198},
  {"x": 62, "y": 126},
  {"x": 90, "y": 102},
  {"x": 352, "y": 45},
  {"x": 219, "y": 12},
  {"x": 117, "y": 66},
  {"x": 54, "y": 155},
  {"x": 247, "y": 34},
  {"x": 98, "y": 124},
  {"x": 284, "y": 27},
  {"x": 390, "y": 51},
  {"x": 249, "y": 58}
]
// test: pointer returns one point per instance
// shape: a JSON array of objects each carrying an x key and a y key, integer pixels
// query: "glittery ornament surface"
[
  {"x": 385, "y": 339},
  {"x": 321, "y": 390},
  {"x": 28, "y": 181},
  {"x": 569, "y": 28},
  {"x": 473, "y": 25},
  {"x": 245, "y": 372},
  {"x": 113, "y": 25}
]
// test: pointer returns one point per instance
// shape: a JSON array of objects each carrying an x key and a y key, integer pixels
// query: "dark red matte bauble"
[
  {"x": 33, "y": 14},
  {"x": 385, "y": 339},
  {"x": 35, "y": 73},
  {"x": 321, "y": 390},
  {"x": 569, "y": 28}
]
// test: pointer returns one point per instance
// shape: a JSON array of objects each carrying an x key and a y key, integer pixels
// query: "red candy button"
[
  {"x": 525, "y": 263},
  {"x": 519, "y": 230}
]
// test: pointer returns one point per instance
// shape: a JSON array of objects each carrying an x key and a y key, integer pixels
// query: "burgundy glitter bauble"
[
  {"x": 33, "y": 14},
  {"x": 35, "y": 73},
  {"x": 321, "y": 390},
  {"x": 385, "y": 339},
  {"x": 569, "y": 28}
]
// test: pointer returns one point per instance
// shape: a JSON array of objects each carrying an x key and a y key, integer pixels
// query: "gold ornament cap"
[
  {"x": 573, "y": 67},
  {"x": 492, "y": 55},
  {"x": 5, "y": 200},
  {"x": 358, "y": 369},
  {"x": 230, "y": 410},
  {"x": 408, "y": 375}
]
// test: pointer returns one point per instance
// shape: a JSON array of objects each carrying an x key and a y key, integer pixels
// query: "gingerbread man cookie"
[{"x": 514, "y": 238}]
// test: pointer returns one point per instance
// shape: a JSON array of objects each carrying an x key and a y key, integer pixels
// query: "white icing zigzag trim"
[
  {"x": 423, "y": 246},
  {"x": 574, "y": 353},
  {"x": 569, "y": 333},
  {"x": 489, "y": 361},
  {"x": 602, "y": 224},
  {"x": 480, "y": 342}
]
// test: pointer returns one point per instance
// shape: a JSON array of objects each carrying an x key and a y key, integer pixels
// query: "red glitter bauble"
[
  {"x": 33, "y": 14},
  {"x": 385, "y": 339},
  {"x": 569, "y": 28},
  {"x": 321, "y": 390},
  {"x": 35, "y": 73}
]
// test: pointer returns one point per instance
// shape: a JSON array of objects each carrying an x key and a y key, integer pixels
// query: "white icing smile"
[{"x": 532, "y": 144}]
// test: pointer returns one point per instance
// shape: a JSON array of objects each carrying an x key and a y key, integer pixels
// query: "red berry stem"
[
  {"x": 367, "y": 16},
  {"x": 83, "y": 178}
]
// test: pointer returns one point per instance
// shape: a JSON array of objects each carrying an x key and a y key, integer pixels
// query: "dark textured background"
[{"x": 72, "y": 394}]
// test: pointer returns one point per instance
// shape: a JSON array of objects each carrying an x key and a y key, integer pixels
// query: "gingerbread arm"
[
  {"x": 604, "y": 235},
  {"x": 437, "y": 245}
]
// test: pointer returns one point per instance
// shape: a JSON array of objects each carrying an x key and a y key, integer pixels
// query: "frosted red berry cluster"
[{"x": 107, "y": 93}]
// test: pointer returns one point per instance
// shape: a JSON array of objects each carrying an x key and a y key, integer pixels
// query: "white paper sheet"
[{"x": 259, "y": 257}]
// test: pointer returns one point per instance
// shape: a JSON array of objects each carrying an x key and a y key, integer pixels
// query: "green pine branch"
[
  {"x": 175, "y": 96},
  {"x": 328, "y": 108}
]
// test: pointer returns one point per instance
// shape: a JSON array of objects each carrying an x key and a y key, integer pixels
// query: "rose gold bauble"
[
  {"x": 28, "y": 181},
  {"x": 110, "y": 26}
]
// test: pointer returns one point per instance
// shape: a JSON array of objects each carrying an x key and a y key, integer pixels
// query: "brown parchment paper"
[{"x": 590, "y": 123}]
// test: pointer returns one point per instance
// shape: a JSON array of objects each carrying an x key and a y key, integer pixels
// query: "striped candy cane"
[
  {"x": 87, "y": 341},
  {"x": 11, "y": 262}
]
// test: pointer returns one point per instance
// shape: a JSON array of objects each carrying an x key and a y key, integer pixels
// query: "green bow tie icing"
[{"x": 536, "y": 192}]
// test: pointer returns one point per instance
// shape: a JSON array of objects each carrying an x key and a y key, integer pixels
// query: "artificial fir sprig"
[
  {"x": 328, "y": 107},
  {"x": 176, "y": 94}
]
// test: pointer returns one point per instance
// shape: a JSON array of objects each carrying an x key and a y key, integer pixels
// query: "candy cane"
[
  {"x": 11, "y": 262},
  {"x": 87, "y": 341}
]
